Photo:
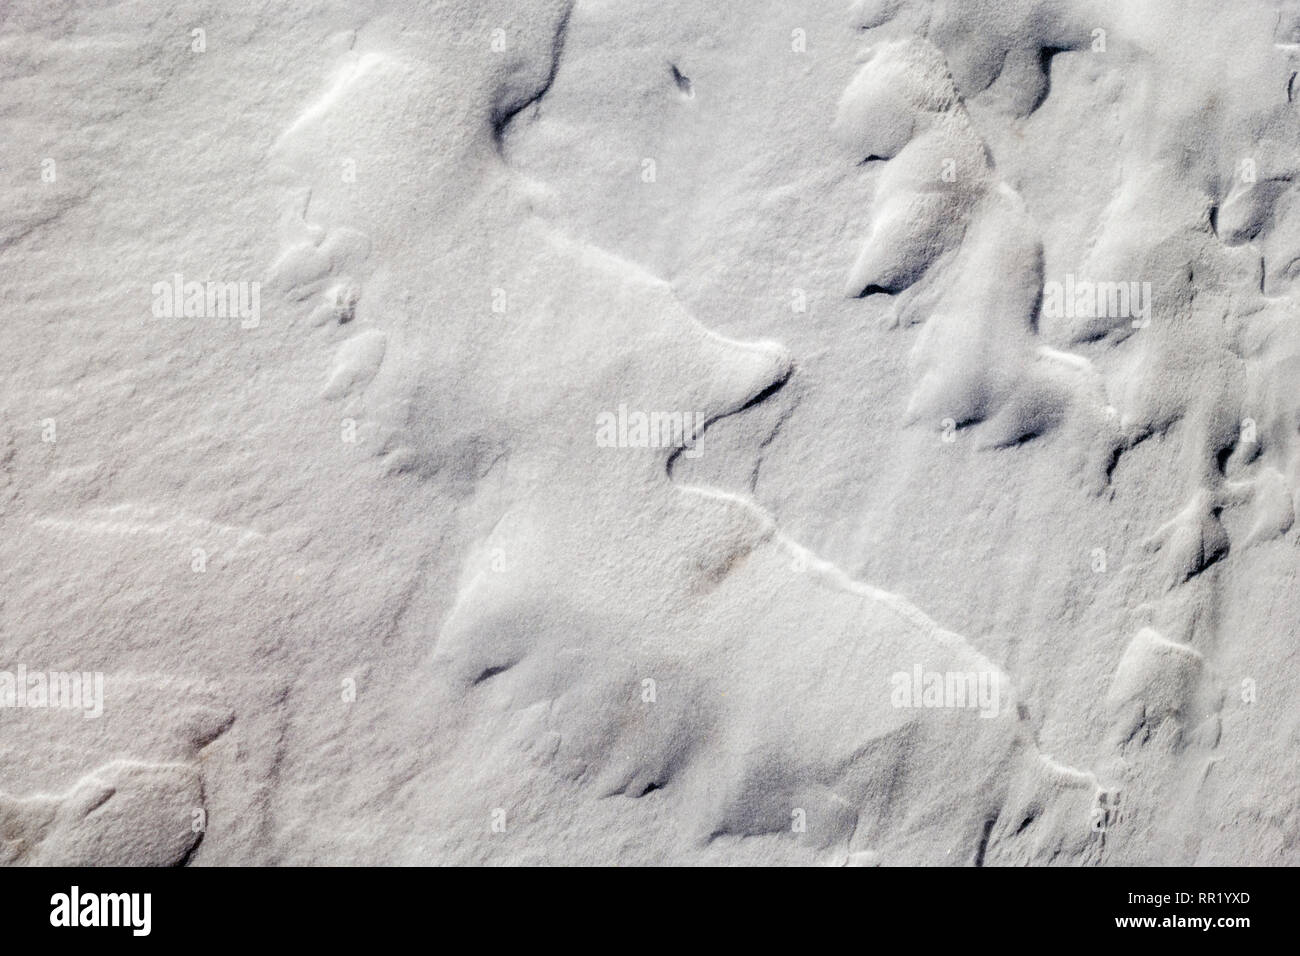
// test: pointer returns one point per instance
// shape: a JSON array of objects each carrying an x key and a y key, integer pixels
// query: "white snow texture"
[{"x": 650, "y": 432}]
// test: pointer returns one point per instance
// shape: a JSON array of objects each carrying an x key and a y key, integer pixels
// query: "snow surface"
[{"x": 635, "y": 404}]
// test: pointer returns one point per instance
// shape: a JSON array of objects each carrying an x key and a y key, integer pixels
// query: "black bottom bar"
[{"x": 337, "y": 906}]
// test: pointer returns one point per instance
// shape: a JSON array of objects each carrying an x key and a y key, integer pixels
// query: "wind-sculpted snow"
[
  {"x": 661, "y": 673},
  {"x": 939, "y": 205},
  {"x": 851, "y": 433}
]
